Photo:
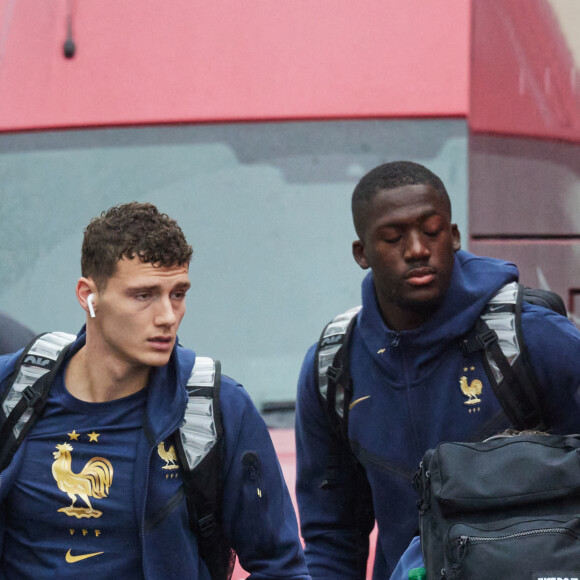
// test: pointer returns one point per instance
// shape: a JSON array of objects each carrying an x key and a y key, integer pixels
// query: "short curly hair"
[
  {"x": 129, "y": 230},
  {"x": 391, "y": 176}
]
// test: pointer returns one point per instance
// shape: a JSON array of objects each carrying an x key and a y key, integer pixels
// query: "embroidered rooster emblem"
[
  {"x": 471, "y": 390},
  {"x": 168, "y": 456},
  {"x": 94, "y": 480}
]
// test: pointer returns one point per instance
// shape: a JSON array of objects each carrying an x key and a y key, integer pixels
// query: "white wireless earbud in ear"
[{"x": 90, "y": 299}]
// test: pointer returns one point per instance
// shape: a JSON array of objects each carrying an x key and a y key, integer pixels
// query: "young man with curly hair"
[{"x": 95, "y": 489}]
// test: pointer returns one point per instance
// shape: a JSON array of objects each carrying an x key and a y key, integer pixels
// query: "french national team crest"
[
  {"x": 170, "y": 457},
  {"x": 471, "y": 388},
  {"x": 94, "y": 480}
]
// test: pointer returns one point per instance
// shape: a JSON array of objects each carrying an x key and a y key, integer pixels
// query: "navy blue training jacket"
[
  {"x": 263, "y": 533},
  {"x": 407, "y": 398}
]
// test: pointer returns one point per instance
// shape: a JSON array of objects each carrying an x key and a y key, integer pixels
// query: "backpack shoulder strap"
[
  {"x": 201, "y": 428},
  {"x": 498, "y": 332},
  {"x": 334, "y": 385},
  {"x": 332, "y": 364},
  {"x": 199, "y": 446},
  {"x": 26, "y": 390}
]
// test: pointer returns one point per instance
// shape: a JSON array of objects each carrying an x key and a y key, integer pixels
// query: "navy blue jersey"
[
  {"x": 117, "y": 459},
  {"x": 72, "y": 509}
]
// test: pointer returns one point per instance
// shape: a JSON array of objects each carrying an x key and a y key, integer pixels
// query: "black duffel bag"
[{"x": 507, "y": 508}]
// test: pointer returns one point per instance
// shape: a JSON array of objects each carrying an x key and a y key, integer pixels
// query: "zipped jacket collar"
[{"x": 474, "y": 281}]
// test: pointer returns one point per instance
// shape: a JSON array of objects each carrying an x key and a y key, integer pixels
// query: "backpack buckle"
[
  {"x": 486, "y": 338},
  {"x": 30, "y": 395},
  {"x": 478, "y": 342},
  {"x": 333, "y": 373}
]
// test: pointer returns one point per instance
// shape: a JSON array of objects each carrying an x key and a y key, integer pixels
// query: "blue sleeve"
[
  {"x": 7, "y": 363},
  {"x": 335, "y": 525},
  {"x": 553, "y": 344},
  {"x": 259, "y": 517},
  {"x": 411, "y": 558}
]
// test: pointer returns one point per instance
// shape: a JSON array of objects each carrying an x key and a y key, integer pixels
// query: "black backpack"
[
  {"x": 25, "y": 394},
  {"x": 497, "y": 333},
  {"x": 507, "y": 508}
]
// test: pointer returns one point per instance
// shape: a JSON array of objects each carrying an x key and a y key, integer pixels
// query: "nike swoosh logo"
[
  {"x": 72, "y": 559},
  {"x": 358, "y": 401}
]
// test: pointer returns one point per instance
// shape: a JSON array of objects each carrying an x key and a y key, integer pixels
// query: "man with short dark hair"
[
  {"x": 96, "y": 488},
  {"x": 409, "y": 373}
]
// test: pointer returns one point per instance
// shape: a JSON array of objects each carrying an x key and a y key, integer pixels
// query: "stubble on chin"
[{"x": 423, "y": 307}]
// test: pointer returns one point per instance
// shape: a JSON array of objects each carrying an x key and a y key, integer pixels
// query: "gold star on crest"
[
  {"x": 74, "y": 436},
  {"x": 93, "y": 437}
]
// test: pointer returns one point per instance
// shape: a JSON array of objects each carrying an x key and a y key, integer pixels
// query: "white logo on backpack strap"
[{"x": 36, "y": 361}]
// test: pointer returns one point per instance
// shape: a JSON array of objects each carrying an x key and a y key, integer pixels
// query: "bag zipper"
[{"x": 462, "y": 542}]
